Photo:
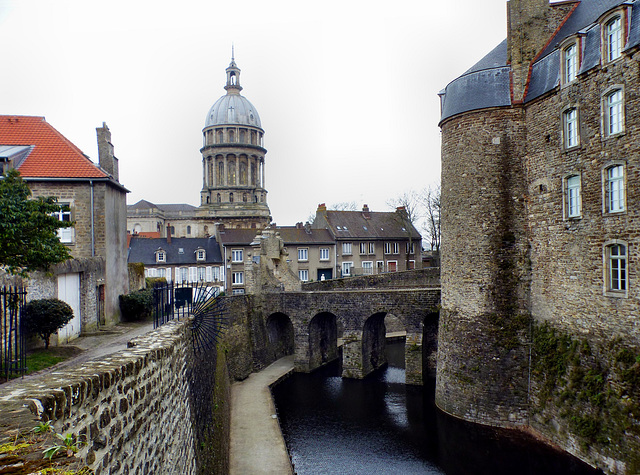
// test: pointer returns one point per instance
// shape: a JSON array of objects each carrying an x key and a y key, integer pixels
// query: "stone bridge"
[{"x": 314, "y": 326}]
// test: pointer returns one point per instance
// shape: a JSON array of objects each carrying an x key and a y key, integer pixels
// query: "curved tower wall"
[{"x": 483, "y": 360}]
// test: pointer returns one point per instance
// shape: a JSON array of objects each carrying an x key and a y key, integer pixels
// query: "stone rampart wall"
[
  {"x": 411, "y": 279},
  {"x": 153, "y": 408}
]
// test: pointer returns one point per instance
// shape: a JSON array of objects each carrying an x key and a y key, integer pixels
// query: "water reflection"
[{"x": 379, "y": 425}]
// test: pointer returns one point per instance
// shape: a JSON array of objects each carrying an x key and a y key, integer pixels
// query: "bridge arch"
[
  {"x": 280, "y": 336},
  {"x": 373, "y": 343},
  {"x": 323, "y": 339}
]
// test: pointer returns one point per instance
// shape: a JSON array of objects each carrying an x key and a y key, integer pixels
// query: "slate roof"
[
  {"x": 52, "y": 154},
  {"x": 487, "y": 83},
  {"x": 379, "y": 225},
  {"x": 168, "y": 208},
  {"x": 144, "y": 250},
  {"x": 289, "y": 234}
]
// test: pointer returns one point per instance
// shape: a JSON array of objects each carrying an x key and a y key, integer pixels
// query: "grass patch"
[{"x": 40, "y": 359}]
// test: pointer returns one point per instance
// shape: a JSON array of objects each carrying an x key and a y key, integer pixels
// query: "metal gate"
[{"x": 12, "y": 343}]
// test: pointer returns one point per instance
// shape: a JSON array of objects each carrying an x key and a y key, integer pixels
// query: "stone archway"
[
  {"x": 280, "y": 338},
  {"x": 323, "y": 340},
  {"x": 373, "y": 343},
  {"x": 430, "y": 345}
]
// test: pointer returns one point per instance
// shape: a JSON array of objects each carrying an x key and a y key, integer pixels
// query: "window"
[
  {"x": 412, "y": 265},
  {"x": 168, "y": 274},
  {"x": 237, "y": 255},
  {"x": 363, "y": 248},
  {"x": 615, "y": 193},
  {"x": 367, "y": 267},
  {"x": 346, "y": 248},
  {"x": 64, "y": 215},
  {"x": 188, "y": 229},
  {"x": 372, "y": 248},
  {"x": 570, "y": 119},
  {"x": 303, "y": 254},
  {"x": 201, "y": 255},
  {"x": 387, "y": 248},
  {"x": 572, "y": 193},
  {"x": 237, "y": 278},
  {"x": 570, "y": 63},
  {"x": 613, "y": 38},
  {"x": 613, "y": 117},
  {"x": 202, "y": 274},
  {"x": 161, "y": 256},
  {"x": 616, "y": 259},
  {"x": 396, "y": 248},
  {"x": 411, "y": 249},
  {"x": 184, "y": 274},
  {"x": 162, "y": 272},
  {"x": 193, "y": 274},
  {"x": 212, "y": 274},
  {"x": 237, "y": 292},
  {"x": 324, "y": 253},
  {"x": 346, "y": 269},
  {"x": 304, "y": 275}
]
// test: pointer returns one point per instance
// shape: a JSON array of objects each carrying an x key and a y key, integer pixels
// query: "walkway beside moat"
[{"x": 257, "y": 445}]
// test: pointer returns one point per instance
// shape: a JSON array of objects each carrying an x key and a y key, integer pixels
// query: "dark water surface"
[{"x": 378, "y": 426}]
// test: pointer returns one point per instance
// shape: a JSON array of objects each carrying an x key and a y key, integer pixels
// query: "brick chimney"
[
  {"x": 365, "y": 212},
  {"x": 108, "y": 162}
]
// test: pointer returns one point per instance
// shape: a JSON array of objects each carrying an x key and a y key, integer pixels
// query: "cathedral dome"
[{"x": 233, "y": 109}]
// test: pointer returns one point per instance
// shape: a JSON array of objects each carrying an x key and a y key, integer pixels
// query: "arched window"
[
  {"x": 244, "y": 197},
  {"x": 242, "y": 136},
  {"x": 232, "y": 135},
  {"x": 208, "y": 199},
  {"x": 230, "y": 197},
  {"x": 219, "y": 198},
  {"x": 613, "y": 112},
  {"x": 231, "y": 172},
  {"x": 613, "y": 38},
  {"x": 615, "y": 199},
  {"x": 243, "y": 173},
  {"x": 570, "y": 120},
  {"x": 220, "y": 178},
  {"x": 220, "y": 138},
  {"x": 188, "y": 229}
]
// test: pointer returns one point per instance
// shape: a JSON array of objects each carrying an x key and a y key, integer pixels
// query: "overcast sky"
[{"x": 346, "y": 90}]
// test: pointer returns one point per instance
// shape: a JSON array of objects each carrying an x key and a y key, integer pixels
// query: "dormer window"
[
  {"x": 570, "y": 62},
  {"x": 201, "y": 255},
  {"x": 161, "y": 256},
  {"x": 613, "y": 36}
]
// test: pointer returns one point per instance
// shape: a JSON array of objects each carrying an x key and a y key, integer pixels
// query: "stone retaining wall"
[
  {"x": 411, "y": 279},
  {"x": 153, "y": 408}
]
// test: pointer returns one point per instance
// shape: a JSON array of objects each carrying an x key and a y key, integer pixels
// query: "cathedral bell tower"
[{"x": 233, "y": 189}]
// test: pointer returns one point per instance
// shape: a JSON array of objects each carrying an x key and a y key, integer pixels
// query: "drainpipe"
[{"x": 93, "y": 234}]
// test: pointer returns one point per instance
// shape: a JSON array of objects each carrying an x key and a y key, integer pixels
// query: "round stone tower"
[{"x": 233, "y": 189}]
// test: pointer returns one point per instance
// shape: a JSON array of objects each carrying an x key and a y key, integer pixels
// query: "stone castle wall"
[{"x": 517, "y": 274}]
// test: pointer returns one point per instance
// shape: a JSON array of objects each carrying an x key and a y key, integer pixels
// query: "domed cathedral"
[
  {"x": 540, "y": 221},
  {"x": 233, "y": 184}
]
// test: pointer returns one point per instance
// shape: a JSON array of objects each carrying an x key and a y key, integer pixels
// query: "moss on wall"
[{"x": 591, "y": 391}]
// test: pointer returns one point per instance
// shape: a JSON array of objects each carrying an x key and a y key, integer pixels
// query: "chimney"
[
  {"x": 108, "y": 162},
  {"x": 168, "y": 233},
  {"x": 531, "y": 23},
  {"x": 298, "y": 225},
  {"x": 322, "y": 207},
  {"x": 365, "y": 212}
]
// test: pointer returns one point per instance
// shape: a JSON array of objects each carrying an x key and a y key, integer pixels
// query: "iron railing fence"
[{"x": 12, "y": 342}]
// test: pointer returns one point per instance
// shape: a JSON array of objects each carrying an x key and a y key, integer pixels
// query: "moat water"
[{"x": 380, "y": 426}]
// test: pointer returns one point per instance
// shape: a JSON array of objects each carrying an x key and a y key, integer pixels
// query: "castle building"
[
  {"x": 541, "y": 231},
  {"x": 233, "y": 174}
]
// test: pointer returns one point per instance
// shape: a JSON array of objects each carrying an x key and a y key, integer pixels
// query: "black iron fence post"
[{"x": 12, "y": 341}]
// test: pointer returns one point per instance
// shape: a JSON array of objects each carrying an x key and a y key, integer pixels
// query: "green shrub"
[
  {"x": 136, "y": 305},
  {"x": 45, "y": 317}
]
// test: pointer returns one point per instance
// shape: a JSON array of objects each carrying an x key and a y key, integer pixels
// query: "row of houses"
[{"x": 338, "y": 244}]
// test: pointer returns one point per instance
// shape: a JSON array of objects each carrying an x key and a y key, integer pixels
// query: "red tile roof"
[{"x": 53, "y": 156}]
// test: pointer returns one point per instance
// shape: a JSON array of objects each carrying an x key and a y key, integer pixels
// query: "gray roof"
[
  {"x": 144, "y": 250},
  {"x": 15, "y": 153},
  {"x": 169, "y": 208},
  {"x": 370, "y": 225},
  {"x": 289, "y": 234},
  {"x": 233, "y": 109},
  {"x": 487, "y": 83}
]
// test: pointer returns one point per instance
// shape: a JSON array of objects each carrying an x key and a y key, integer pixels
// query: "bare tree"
[
  {"x": 407, "y": 207},
  {"x": 431, "y": 199}
]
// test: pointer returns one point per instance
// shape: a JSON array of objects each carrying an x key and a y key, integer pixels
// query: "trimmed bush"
[
  {"x": 137, "y": 305},
  {"x": 45, "y": 317}
]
